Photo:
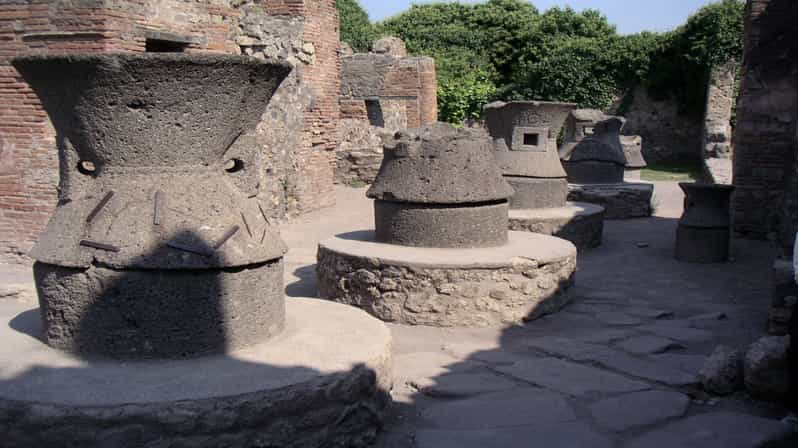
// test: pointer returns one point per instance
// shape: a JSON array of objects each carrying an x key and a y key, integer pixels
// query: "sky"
[{"x": 630, "y": 16}]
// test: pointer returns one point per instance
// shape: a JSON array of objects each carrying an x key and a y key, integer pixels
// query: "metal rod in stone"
[
  {"x": 101, "y": 246},
  {"x": 227, "y": 235},
  {"x": 193, "y": 250},
  {"x": 103, "y": 202},
  {"x": 156, "y": 216},
  {"x": 246, "y": 224}
]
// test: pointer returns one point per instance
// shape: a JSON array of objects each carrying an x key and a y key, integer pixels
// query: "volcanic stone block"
[
  {"x": 439, "y": 186},
  {"x": 525, "y": 140},
  {"x": 158, "y": 226},
  {"x": 703, "y": 235},
  {"x": 323, "y": 382},
  {"x": 525, "y": 279},
  {"x": 620, "y": 201},
  {"x": 597, "y": 158},
  {"x": 411, "y": 224},
  {"x": 158, "y": 314},
  {"x": 580, "y": 223}
]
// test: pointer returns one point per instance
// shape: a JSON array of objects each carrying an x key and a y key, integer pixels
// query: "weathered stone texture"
[
  {"x": 716, "y": 138},
  {"x": 722, "y": 373},
  {"x": 300, "y": 168},
  {"x": 581, "y": 224},
  {"x": 784, "y": 299},
  {"x": 668, "y": 135},
  {"x": 766, "y": 368},
  {"x": 765, "y": 171},
  {"x": 446, "y": 297},
  {"x": 620, "y": 201},
  {"x": 381, "y": 92}
]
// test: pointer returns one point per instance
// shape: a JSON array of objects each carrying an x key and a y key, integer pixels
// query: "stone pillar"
[{"x": 716, "y": 139}]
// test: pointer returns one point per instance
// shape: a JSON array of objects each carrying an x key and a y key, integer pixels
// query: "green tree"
[{"x": 356, "y": 28}]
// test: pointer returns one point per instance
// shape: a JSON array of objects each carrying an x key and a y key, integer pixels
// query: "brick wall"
[
  {"x": 28, "y": 159},
  {"x": 765, "y": 203}
]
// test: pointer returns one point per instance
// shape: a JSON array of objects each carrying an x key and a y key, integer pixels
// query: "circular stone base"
[
  {"x": 324, "y": 381},
  {"x": 620, "y": 200},
  {"x": 577, "y": 222},
  {"x": 522, "y": 280}
]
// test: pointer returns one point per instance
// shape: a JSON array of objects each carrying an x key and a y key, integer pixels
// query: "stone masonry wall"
[
  {"x": 716, "y": 139},
  {"x": 380, "y": 93},
  {"x": 301, "y": 160},
  {"x": 765, "y": 204},
  {"x": 668, "y": 135}
]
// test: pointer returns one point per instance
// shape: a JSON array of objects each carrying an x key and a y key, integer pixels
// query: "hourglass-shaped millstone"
[
  {"x": 704, "y": 231},
  {"x": 159, "y": 246},
  {"x": 525, "y": 136}
]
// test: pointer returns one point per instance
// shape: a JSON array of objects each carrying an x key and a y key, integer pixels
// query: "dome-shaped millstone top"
[
  {"x": 439, "y": 164},
  {"x": 440, "y": 186}
]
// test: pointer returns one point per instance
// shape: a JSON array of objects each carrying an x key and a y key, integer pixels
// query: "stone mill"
[
  {"x": 596, "y": 166},
  {"x": 525, "y": 141},
  {"x": 440, "y": 253},
  {"x": 160, "y": 276},
  {"x": 704, "y": 231}
]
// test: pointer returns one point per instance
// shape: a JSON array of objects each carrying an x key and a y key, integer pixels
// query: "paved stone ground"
[{"x": 616, "y": 368}]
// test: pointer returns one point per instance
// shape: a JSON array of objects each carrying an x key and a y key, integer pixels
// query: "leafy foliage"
[
  {"x": 507, "y": 49},
  {"x": 356, "y": 28}
]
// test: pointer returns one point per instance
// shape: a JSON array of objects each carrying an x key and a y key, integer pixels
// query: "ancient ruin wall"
[
  {"x": 716, "y": 139},
  {"x": 300, "y": 169},
  {"x": 380, "y": 94},
  {"x": 668, "y": 135},
  {"x": 765, "y": 204}
]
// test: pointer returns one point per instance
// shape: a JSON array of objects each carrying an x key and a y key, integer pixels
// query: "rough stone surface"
[
  {"x": 704, "y": 231},
  {"x": 560, "y": 435},
  {"x": 633, "y": 152},
  {"x": 638, "y": 409},
  {"x": 784, "y": 297},
  {"x": 460, "y": 385},
  {"x": 322, "y": 382},
  {"x": 714, "y": 430},
  {"x": 620, "y": 201},
  {"x": 598, "y": 157},
  {"x": 533, "y": 193},
  {"x": 359, "y": 155},
  {"x": 511, "y": 124},
  {"x": 648, "y": 345},
  {"x": 439, "y": 164},
  {"x": 159, "y": 314},
  {"x": 523, "y": 280},
  {"x": 424, "y": 225},
  {"x": 580, "y": 223},
  {"x": 391, "y": 45},
  {"x": 766, "y": 368},
  {"x": 501, "y": 410},
  {"x": 722, "y": 372},
  {"x": 570, "y": 378},
  {"x": 122, "y": 127},
  {"x": 716, "y": 138}
]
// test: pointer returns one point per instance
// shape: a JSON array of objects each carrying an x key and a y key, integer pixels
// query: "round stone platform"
[
  {"x": 578, "y": 222},
  {"x": 522, "y": 280},
  {"x": 625, "y": 200},
  {"x": 324, "y": 381}
]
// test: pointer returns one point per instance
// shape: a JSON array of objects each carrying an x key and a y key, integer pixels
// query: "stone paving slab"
[
  {"x": 528, "y": 406},
  {"x": 571, "y": 378},
  {"x": 561, "y": 435},
  {"x": 677, "y": 332},
  {"x": 638, "y": 409},
  {"x": 715, "y": 430},
  {"x": 619, "y": 318},
  {"x": 459, "y": 385},
  {"x": 644, "y": 368},
  {"x": 648, "y": 345}
]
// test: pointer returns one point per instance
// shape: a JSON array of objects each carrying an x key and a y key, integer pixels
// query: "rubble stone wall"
[
  {"x": 299, "y": 132},
  {"x": 717, "y": 133}
]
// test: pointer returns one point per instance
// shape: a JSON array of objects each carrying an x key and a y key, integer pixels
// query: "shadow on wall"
[{"x": 232, "y": 398}]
